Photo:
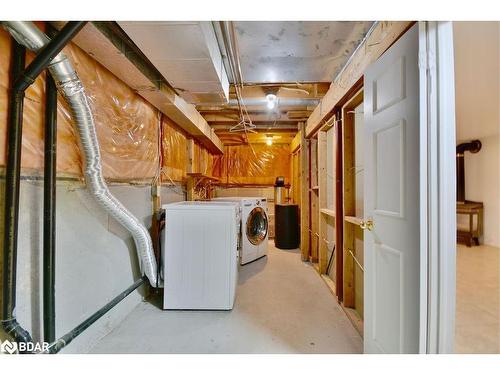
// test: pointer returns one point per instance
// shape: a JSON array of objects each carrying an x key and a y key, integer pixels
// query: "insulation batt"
[
  {"x": 126, "y": 124},
  {"x": 127, "y": 129},
  {"x": 70, "y": 87},
  {"x": 258, "y": 164}
]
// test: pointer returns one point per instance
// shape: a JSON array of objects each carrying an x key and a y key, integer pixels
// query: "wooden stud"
[
  {"x": 190, "y": 156},
  {"x": 295, "y": 144},
  {"x": 314, "y": 207},
  {"x": 190, "y": 188},
  {"x": 190, "y": 183},
  {"x": 295, "y": 175},
  {"x": 349, "y": 192},
  {"x": 304, "y": 195},
  {"x": 339, "y": 214},
  {"x": 322, "y": 178}
]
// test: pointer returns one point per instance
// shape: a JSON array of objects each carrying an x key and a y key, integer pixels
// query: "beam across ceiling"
[
  {"x": 258, "y": 129},
  {"x": 108, "y": 45},
  {"x": 381, "y": 37},
  {"x": 256, "y": 138}
]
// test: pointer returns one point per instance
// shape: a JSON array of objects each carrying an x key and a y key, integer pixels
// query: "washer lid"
[{"x": 257, "y": 226}]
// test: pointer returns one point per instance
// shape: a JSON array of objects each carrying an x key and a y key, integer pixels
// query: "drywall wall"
[
  {"x": 95, "y": 260},
  {"x": 477, "y": 90}
]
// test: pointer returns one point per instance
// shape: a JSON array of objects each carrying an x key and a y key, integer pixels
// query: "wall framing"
[{"x": 381, "y": 37}]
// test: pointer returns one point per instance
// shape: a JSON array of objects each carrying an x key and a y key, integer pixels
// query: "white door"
[{"x": 391, "y": 279}]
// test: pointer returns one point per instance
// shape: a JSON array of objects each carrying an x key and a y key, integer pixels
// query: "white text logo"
[{"x": 9, "y": 347}]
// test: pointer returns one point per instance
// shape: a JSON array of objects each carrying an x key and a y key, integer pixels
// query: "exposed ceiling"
[
  {"x": 272, "y": 52},
  {"x": 187, "y": 54},
  {"x": 296, "y": 61}
]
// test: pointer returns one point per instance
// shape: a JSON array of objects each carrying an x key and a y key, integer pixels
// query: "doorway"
[{"x": 477, "y": 313}]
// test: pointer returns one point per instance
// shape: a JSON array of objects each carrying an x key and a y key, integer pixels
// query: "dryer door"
[{"x": 257, "y": 226}]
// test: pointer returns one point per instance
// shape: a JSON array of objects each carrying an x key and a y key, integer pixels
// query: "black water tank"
[{"x": 287, "y": 228}]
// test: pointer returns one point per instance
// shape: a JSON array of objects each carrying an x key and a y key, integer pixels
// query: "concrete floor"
[
  {"x": 477, "y": 328},
  {"x": 282, "y": 306}
]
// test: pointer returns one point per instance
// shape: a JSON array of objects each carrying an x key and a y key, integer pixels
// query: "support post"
[
  {"x": 339, "y": 214},
  {"x": 322, "y": 194},
  {"x": 49, "y": 211},
  {"x": 304, "y": 195},
  {"x": 21, "y": 79},
  {"x": 11, "y": 199}
]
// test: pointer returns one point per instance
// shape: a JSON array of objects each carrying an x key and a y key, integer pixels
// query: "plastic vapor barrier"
[
  {"x": 258, "y": 164},
  {"x": 202, "y": 161},
  {"x": 174, "y": 151},
  {"x": 127, "y": 125}
]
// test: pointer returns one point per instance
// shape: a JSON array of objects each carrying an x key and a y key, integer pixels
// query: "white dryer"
[
  {"x": 200, "y": 255},
  {"x": 254, "y": 227}
]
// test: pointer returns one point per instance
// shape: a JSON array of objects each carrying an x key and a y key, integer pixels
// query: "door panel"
[
  {"x": 391, "y": 109},
  {"x": 388, "y": 149}
]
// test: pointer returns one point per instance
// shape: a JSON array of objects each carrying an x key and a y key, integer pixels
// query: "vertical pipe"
[
  {"x": 12, "y": 188},
  {"x": 49, "y": 206}
]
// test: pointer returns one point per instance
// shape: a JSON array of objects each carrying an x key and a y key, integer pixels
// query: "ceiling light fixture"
[
  {"x": 269, "y": 140},
  {"x": 272, "y": 100}
]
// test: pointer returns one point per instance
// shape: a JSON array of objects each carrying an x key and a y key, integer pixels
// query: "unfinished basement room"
[{"x": 249, "y": 186}]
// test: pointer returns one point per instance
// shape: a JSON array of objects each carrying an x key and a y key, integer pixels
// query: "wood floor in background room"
[
  {"x": 282, "y": 306},
  {"x": 478, "y": 300}
]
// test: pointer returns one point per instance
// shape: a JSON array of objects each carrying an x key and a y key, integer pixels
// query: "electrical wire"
[{"x": 330, "y": 260}]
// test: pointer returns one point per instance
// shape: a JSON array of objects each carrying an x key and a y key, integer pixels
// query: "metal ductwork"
[
  {"x": 72, "y": 90},
  {"x": 473, "y": 147}
]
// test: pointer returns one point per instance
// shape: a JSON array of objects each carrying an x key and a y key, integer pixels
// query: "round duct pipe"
[{"x": 72, "y": 90}]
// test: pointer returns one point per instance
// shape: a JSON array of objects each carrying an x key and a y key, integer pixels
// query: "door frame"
[{"x": 437, "y": 188}]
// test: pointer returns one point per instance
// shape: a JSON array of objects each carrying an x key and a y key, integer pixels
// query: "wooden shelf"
[
  {"x": 353, "y": 220},
  {"x": 201, "y": 176},
  {"x": 327, "y": 212},
  {"x": 194, "y": 179}
]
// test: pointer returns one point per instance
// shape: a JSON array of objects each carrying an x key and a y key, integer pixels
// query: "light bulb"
[
  {"x": 269, "y": 141},
  {"x": 271, "y": 101}
]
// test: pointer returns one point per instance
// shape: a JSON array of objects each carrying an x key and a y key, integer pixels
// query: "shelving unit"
[
  {"x": 327, "y": 211},
  {"x": 314, "y": 200},
  {"x": 353, "y": 220},
  {"x": 353, "y": 235},
  {"x": 195, "y": 180}
]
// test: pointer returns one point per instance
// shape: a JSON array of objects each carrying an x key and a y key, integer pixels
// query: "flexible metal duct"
[{"x": 72, "y": 90}]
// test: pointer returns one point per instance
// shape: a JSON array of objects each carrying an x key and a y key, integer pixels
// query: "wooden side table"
[{"x": 471, "y": 209}]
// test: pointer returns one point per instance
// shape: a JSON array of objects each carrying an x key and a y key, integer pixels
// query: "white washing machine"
[{"x": 254, "y": 227}]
